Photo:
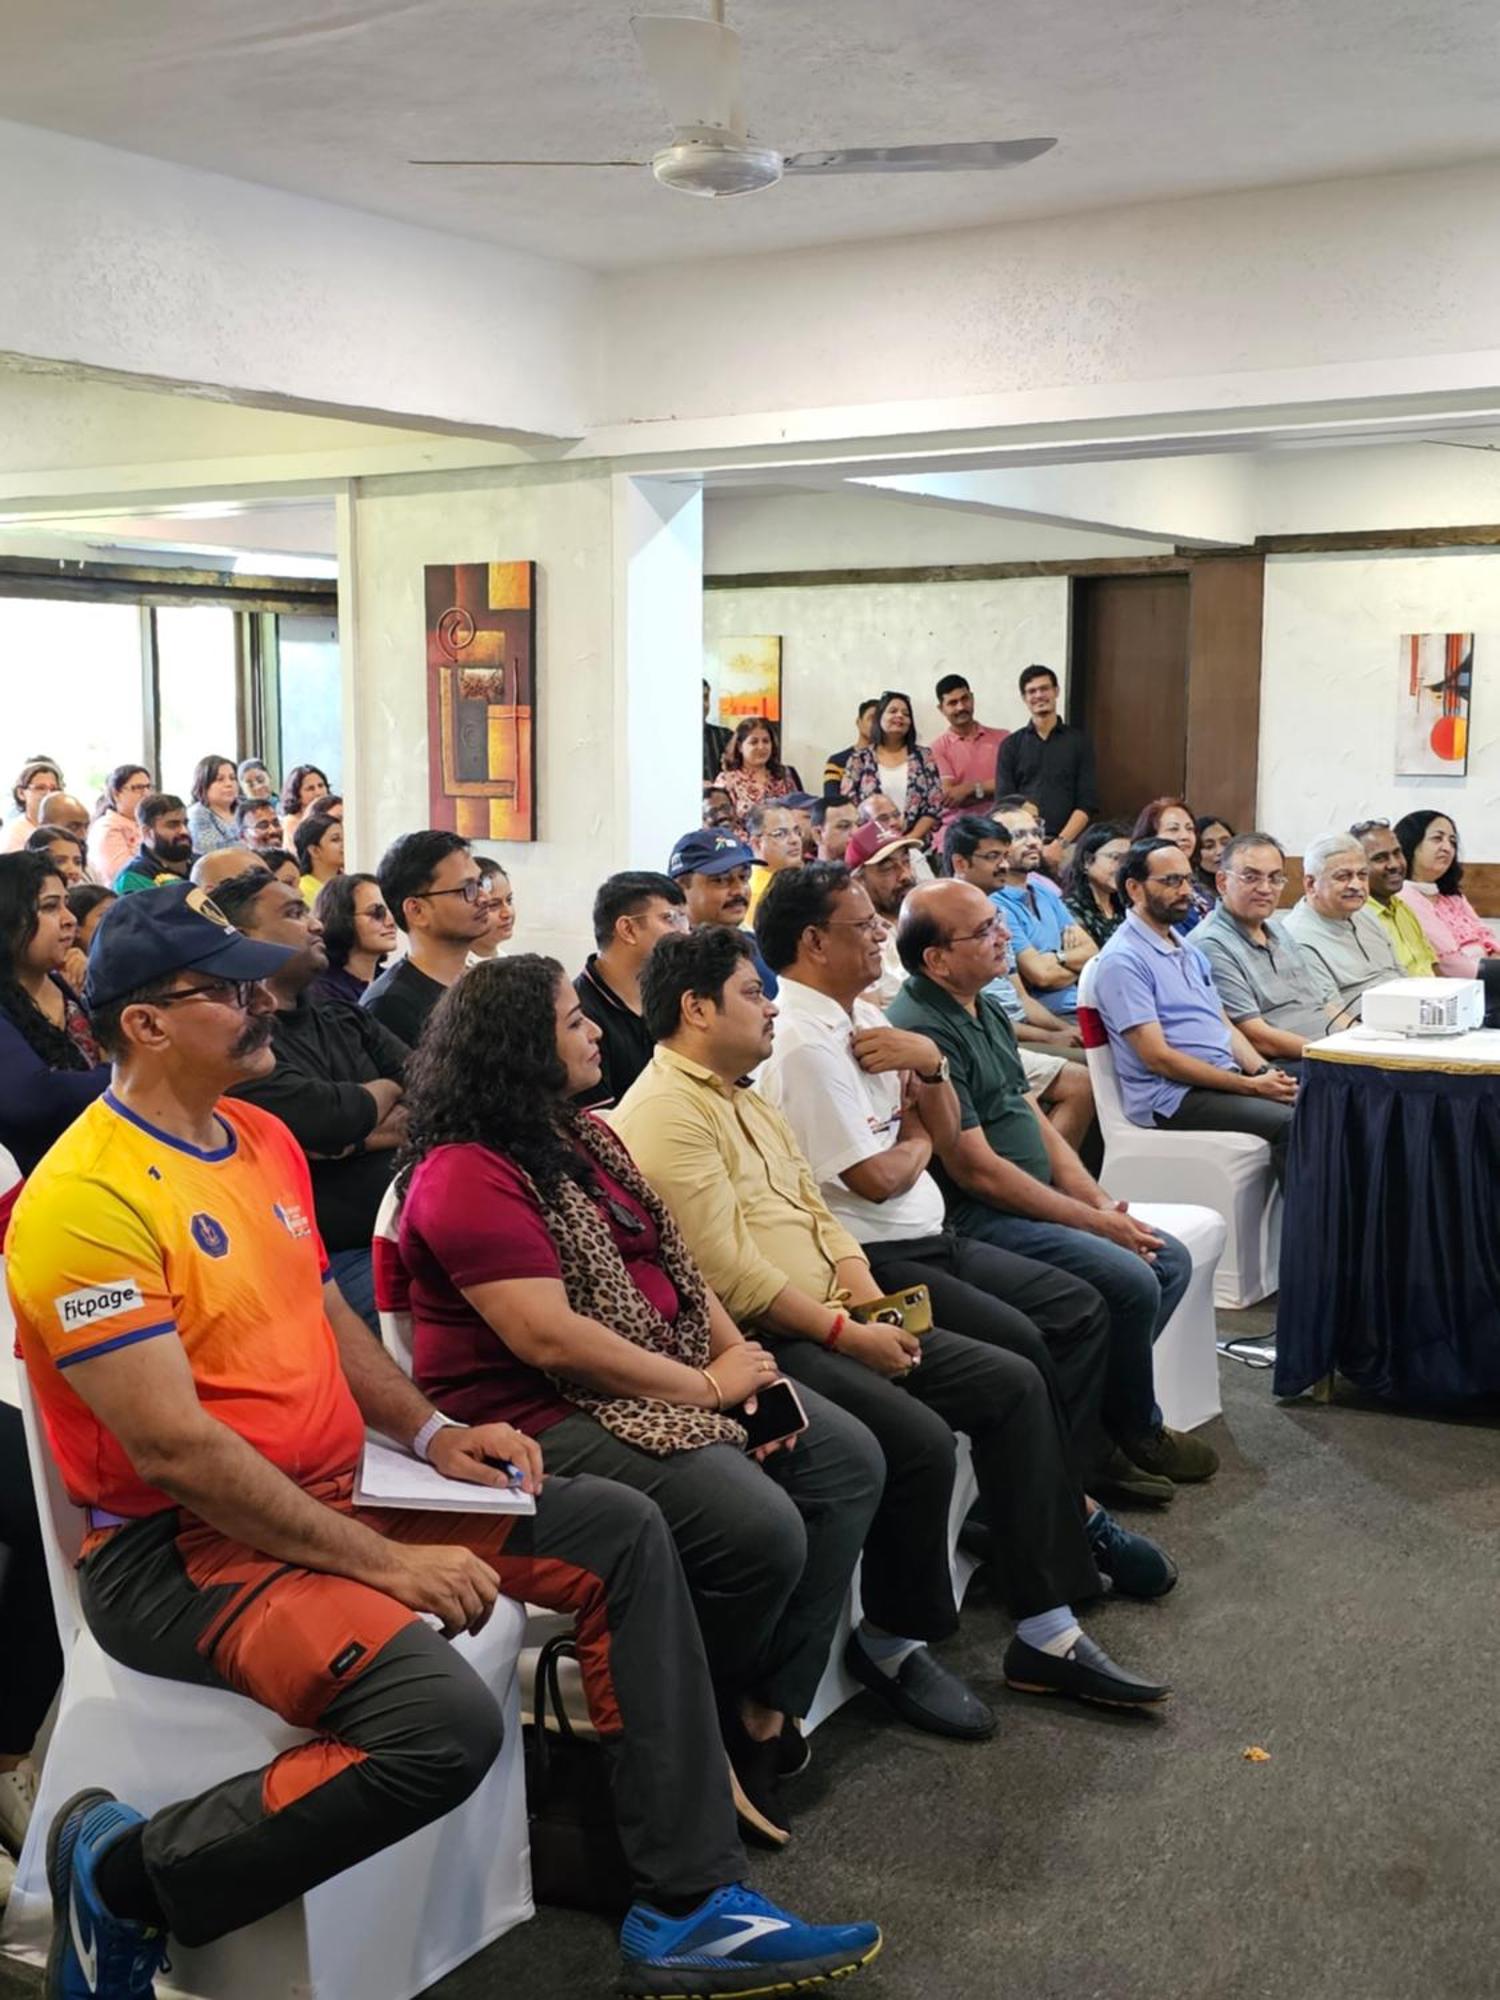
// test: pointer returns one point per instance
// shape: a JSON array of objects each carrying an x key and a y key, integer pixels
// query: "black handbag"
[{"x": 577, "y": 1862}]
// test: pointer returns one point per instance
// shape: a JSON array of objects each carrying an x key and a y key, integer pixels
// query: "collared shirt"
[
  {"x": 1057, "y": 771},
  {"x": 840, "y": 1115},
  {"x": 1037, "y": 921},
  {"x": 624, "y": 1047},
  {"x": 1413, "y": 949},
  {"x": 1356, "y": 952},
  {"x": 986, "y": 1069},
  {"x": 1277, "y": 981},
  {"x": 1141, "y": 978},
  {"x": 725, "y": 1162},
  {"x": 967, "y": 760},
  {"x": 892, "y": 974}
]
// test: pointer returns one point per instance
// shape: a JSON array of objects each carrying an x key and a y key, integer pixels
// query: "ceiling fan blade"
[
  {"x": 978, "y": 155},
  {"x": 526, "y": 163},
  {"x": 695, "y": 66}
]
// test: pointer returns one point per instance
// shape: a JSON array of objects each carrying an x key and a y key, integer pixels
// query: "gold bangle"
[{"x": 718, "y": 1392}]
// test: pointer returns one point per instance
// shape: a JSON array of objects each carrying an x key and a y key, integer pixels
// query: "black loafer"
[
  {"x": 924, "y": 1693},
  {"x": 752, "y": 1781},
  {"x": 1085, "y": 1671}
]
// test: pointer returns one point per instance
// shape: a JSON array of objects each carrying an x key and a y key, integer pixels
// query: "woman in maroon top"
[{"x": 550, "y": 1287}]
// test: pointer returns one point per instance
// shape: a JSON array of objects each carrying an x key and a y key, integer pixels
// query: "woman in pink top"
[
  {"x": 115, "y": 836},
  {"x": 1459, "y": 936}
]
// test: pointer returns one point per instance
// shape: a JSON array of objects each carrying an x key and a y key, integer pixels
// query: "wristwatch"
[{"x": 939, "y": 1075}]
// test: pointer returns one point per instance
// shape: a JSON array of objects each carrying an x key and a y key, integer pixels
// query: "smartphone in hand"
[{"x": 778, "y": 1414}]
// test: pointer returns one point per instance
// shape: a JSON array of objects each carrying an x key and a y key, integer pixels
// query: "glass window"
[
  {"x": 310, "y": 696},
  {"x": 70, "y": 689},
  {"x": 197, "y": 708}
]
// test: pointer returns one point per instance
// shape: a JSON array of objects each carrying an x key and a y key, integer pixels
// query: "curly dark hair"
[
  {"x": 487, "y": 1073},
  {"x": 1099, "y": 833},
  {"x": 291, "y": 791},
  {"x": 22, "y": 878},
  {"x": 1411, "y": 830},
  {"x": 734, "y": 756}
]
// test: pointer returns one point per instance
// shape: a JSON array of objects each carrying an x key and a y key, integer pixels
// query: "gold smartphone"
[{"x": 910, "y": 1310}]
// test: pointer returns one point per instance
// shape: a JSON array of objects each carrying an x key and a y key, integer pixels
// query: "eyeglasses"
[
  {"x": 1254, "y": 879},
  {"x": 868, "y": 924},
  {"x": 470, "y": 891},
  {"x": 227, "y": 992},
  {"x": 377, "y": 912},
  {"x": 1170, "y": 881},
  {"x": 1364, "y": 826},
  {"x": 986, "y": 931}
]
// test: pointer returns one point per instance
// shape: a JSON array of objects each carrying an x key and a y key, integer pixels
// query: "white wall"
[
  {"x": 843, "y": 643},
  {"x": 1328, "y": 691}
]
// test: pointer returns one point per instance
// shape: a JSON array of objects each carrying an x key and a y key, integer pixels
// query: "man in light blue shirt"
[
  {"x": 1050, "y": 948},
  {"x": 1182, "y": 1064}
]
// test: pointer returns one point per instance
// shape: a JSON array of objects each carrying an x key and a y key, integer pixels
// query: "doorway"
[{"x": 1128, "y": 685}]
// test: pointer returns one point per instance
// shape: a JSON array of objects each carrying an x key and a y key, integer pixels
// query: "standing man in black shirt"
[
  {"x": 715, "y": 740},
  {"x": 431, "y": 885},
  {"x": 1052, "y": 762},
  {"x": 631, "y": 911}
]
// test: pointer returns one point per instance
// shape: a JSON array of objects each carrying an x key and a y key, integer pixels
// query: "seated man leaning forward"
[
  {"x": 867, "y": 1104},
  {"x": 1277, "y": 995},
  {"x": 1333, "y": 926},
  {"x": 1012, "y": 1180},
  {"x": 726, "y": 1164},
  {"x": 1051, "y": 949},
  {"x": 549, "y": 1287},
  {"x": 209, "y": 1409},
  {"x": 1182, "y": 1066}
]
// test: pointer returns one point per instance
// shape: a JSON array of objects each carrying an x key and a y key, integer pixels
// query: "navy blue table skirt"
[{"x": 1390, "y": 1246}]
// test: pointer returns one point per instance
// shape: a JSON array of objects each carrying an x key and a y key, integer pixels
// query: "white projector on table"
[{"x": 1424, "y": 1007}]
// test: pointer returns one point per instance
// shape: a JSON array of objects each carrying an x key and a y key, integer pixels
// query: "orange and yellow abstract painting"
[{"x": 481, "y": 699}]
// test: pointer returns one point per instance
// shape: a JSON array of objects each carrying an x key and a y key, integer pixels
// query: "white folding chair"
[{"x": 1229, "y": 1172}]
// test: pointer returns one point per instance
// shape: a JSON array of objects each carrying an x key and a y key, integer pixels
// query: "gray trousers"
[{"x": 1222, "y": 1111}]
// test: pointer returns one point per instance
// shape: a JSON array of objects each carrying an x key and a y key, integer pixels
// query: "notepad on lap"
[{"x": 392, "y": 1478}]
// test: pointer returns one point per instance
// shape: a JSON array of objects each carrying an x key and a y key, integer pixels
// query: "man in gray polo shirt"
[
  {"x": 1333, "y": 926},
  {"x": 1278, "y": 996}
]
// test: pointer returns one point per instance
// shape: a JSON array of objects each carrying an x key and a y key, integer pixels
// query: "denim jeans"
[{"x": 353, "y": 1272}]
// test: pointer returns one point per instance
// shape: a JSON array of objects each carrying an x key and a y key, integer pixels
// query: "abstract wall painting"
[
  {"x": 481, "y": 699},
  {"x": 745, "y": 675},
  {"x": 1434, "y": 684}
]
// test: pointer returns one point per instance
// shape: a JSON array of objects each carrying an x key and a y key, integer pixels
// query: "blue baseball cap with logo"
[
  {"x": 151, "y": 933},
  {"x": 708, "y": 850}
]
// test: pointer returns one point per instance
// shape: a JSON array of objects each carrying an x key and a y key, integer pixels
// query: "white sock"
[
  {"x": 1051, "y": 1631},
  {"x": 886, "y": 1650}
]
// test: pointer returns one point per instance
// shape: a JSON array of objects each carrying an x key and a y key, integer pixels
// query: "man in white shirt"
[{"x": 866, "y": 1102}]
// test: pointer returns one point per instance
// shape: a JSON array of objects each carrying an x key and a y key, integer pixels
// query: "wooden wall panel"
[
  {"x": 1223, "y": 722},
  {"x": 1481, "y": 885}
]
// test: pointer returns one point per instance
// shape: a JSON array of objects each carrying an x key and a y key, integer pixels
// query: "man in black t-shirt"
[
  {"x": 1052, "y": 762},
  {"x": 430, "y": 882},
  {"x": 631, "y": 911}
]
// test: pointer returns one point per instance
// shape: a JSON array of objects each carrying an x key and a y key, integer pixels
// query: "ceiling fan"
[{"x": 694, "y": 62}]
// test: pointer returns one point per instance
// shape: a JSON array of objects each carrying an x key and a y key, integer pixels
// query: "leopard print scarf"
[{"x": 600, "y": 1287}]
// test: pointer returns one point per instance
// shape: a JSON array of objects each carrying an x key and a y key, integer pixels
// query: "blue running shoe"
[
  {"x": 94, "y": 1955},
  {"x": 735, "y": 1943},
  {"x": 1134, "y": 1564}
]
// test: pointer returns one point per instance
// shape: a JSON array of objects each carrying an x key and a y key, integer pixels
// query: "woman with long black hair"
[{"x": 50, "y": 1065}]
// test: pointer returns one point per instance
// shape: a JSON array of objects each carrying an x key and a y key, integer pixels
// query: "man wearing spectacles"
[
  {"x": 1390, "y": 909},
  {"x": 1278, "y": 996},
  {"x": 1181, "y": 1063},
  {"x": 775, "y": 839},
  {"x": 1333, "y": 925},
  {"x": 431, "y": 885}
]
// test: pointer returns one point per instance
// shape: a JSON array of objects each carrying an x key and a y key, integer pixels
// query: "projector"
[{"x": 1424, "y": 1007}]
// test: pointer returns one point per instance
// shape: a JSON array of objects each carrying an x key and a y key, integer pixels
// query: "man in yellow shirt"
[
  {"x": 1386, "y": 904},
  {"x": 776, "y": 842}
]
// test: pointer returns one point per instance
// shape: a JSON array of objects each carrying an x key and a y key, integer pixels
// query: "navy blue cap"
[
  {"x": 798, "y": 801},
  {"x": 708, "y": 850},
  {"x": 150, "y": 933}
]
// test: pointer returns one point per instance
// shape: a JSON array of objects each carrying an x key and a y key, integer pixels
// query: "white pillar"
[{"x": 658, "y": 537}]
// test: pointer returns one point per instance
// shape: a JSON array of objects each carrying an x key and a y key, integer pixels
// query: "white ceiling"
[{"x": 1157, "y": 99}]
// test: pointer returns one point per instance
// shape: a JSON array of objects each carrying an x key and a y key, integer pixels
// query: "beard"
[{"x": 173, "y": 851}]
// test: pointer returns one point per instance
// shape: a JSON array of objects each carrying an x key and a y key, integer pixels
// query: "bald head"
[
  {"x": 211, "y": 869},
  {"x": 953, "y": 933},
  {"x": 62, "y": 809}
]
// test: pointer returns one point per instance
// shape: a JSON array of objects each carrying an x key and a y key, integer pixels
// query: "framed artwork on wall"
[
  {"x": 481, "y": 699},
  {"x": 1435, "y": 677},
  {"x": 744, "y": 676}
]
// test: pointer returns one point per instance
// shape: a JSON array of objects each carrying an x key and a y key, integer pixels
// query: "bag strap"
[{"x": 547, "y": 1689}]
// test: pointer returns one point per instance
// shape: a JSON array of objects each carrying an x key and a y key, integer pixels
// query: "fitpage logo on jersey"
[{"x": 96, "y": 1302}]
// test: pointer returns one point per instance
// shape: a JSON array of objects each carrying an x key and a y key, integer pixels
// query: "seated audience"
[
  {"x": 1182, "y": 1066},
  {"x": 64, "y": 850},
  {"x": 800, "y": 806},
  {"x": 753, "y": 771},
  {"x": 165, "y": 854},
  {"x": 305, "y": 785},
  {"x": 776, "y": 842},
  {"x": 430, "y": 883},
  {"x": 838, "y": 760},
  {"x": 895, "y": 763},
  {"x": 359, "y": 934},
  {"x": 215, "y": 792},
  {"x": 715, "y": 739},
  {"x": 878, "y": 810},
  {"x": 336, "y": 1084},
  {"x": 868, "y": 1104},
  {"x": 1463, "y": 945},
  {"x": 50, "y": 1065},
  {"x": 319, "y": 846},
  {"x": 1051, "y": 761},
  {"x": 331, "y": 806},
  {"x": 115, "y": 835},
  {"x": 223, "y": 1410},
  {"x": 1091, "y": 880},
  {"x": 283, "y": 866},
  {"x": 966, "y": 751},
  {"x": 1332, "y": 924},
  {"x": 881, "y": 858},
  {"x": 1172, "y": 819},
  {"x": 62, "y": 810},
  {"x": 499, "y": 908},
  {"x": 718, "y": 808},
  {"x": 728, "y": 1168},
  {"x": 834, "y": 820},
  {"x": 713, "y": 872},
  {"x": 1010, "y": 1179},
  {"x": 1214, "y": 835},
  {"x": 38, "y": 777},
  {"x": 256, "y": 781},
  {"x": 631, "y": 911},
  {"x": 87, "y": 904},
  {"x": 549, "y": 1289},
  {"x": 1387, "y": 865},
  {"x": 1278, "y": 997},
  {"x": 223, "y": 865},
  {"x": 257, "y": 824},
  {"x": 1051, "y": 950}
]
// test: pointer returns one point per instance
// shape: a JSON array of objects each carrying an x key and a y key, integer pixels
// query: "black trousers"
[
  {"x": 1020, "y": 1453},
  {"x": 1057, "y": 1322},
  {"x": 30, "y": 1658},
  {"x": 1221, "y": 1111}
]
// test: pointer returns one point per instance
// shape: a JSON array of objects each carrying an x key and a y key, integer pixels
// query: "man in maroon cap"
[{"x": 880, "y": 859}]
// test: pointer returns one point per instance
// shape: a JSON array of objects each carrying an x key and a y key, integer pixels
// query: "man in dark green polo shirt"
[{"x": 1011, "y": 1179}]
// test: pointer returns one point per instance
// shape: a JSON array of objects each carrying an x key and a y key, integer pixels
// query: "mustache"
[{"x": 256, "y": 1035}]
